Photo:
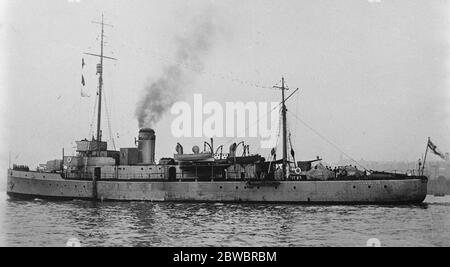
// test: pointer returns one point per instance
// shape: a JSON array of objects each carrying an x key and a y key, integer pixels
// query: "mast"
[
  {"x": 425, "y": 157},
  {"x": 100, "y": 78},
  {"x": 100, "y": 85},
  {"x": 283, "y": 114}
]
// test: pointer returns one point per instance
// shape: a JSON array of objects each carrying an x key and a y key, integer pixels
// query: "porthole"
[
  {"x": 354, "y": 187},
  {"x": 385, "y": 186},
  {"x": 295, "y": 187},
  {"x": 220, "y": 187},
  {"x": 369, "y": 186},
  {"x": 237, "y": 187}
]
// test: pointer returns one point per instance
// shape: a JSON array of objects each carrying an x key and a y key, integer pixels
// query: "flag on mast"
[
  {"x": 83, "y": 82},
  {"x": 433, "y": 148}
]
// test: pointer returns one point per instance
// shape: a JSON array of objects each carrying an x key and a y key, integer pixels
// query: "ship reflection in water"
[{"x": 43, "y": 223}]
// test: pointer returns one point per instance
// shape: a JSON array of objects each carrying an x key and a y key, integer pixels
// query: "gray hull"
[{"x": 50, "y": 185}]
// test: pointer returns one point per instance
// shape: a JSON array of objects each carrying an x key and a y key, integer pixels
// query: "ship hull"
[{"x": 48, "y": 185}]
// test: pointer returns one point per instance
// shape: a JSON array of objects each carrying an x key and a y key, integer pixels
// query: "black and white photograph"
[{"x": 249, "y": 125}]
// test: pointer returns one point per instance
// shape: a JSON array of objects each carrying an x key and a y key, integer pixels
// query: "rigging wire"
[
  {"x": 199, "y": 69},
  {"x": 109, "y": 114},
  {"x": 108, "y": 118},
  {"x": 277, "y": 140},
  {"x": 296, "y": 112},
  {"x": 260, "y": 118},
  {"x": 326, "y": 140}
]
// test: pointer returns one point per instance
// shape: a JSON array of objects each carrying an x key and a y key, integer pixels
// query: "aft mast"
[
  {"x": 283, "y": 114},
  {"x": 100, "y": 78}
]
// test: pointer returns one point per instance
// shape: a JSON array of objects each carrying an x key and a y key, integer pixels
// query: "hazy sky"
[{"x": 374, "y": 77}]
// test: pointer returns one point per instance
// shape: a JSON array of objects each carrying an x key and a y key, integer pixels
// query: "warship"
[{"x": 132, "y": 174}]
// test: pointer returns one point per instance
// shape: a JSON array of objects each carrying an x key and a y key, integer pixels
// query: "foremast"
[{"x": 100, "y": 78}]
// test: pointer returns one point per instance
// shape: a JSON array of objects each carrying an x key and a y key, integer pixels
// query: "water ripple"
[{"x": 45, "y": 223}]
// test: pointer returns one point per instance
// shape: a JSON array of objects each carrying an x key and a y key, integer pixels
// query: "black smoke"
[{"x": 162, "y": 93}]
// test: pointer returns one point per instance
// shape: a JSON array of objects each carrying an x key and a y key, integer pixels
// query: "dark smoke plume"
[{"x": 162, "y": 93}]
